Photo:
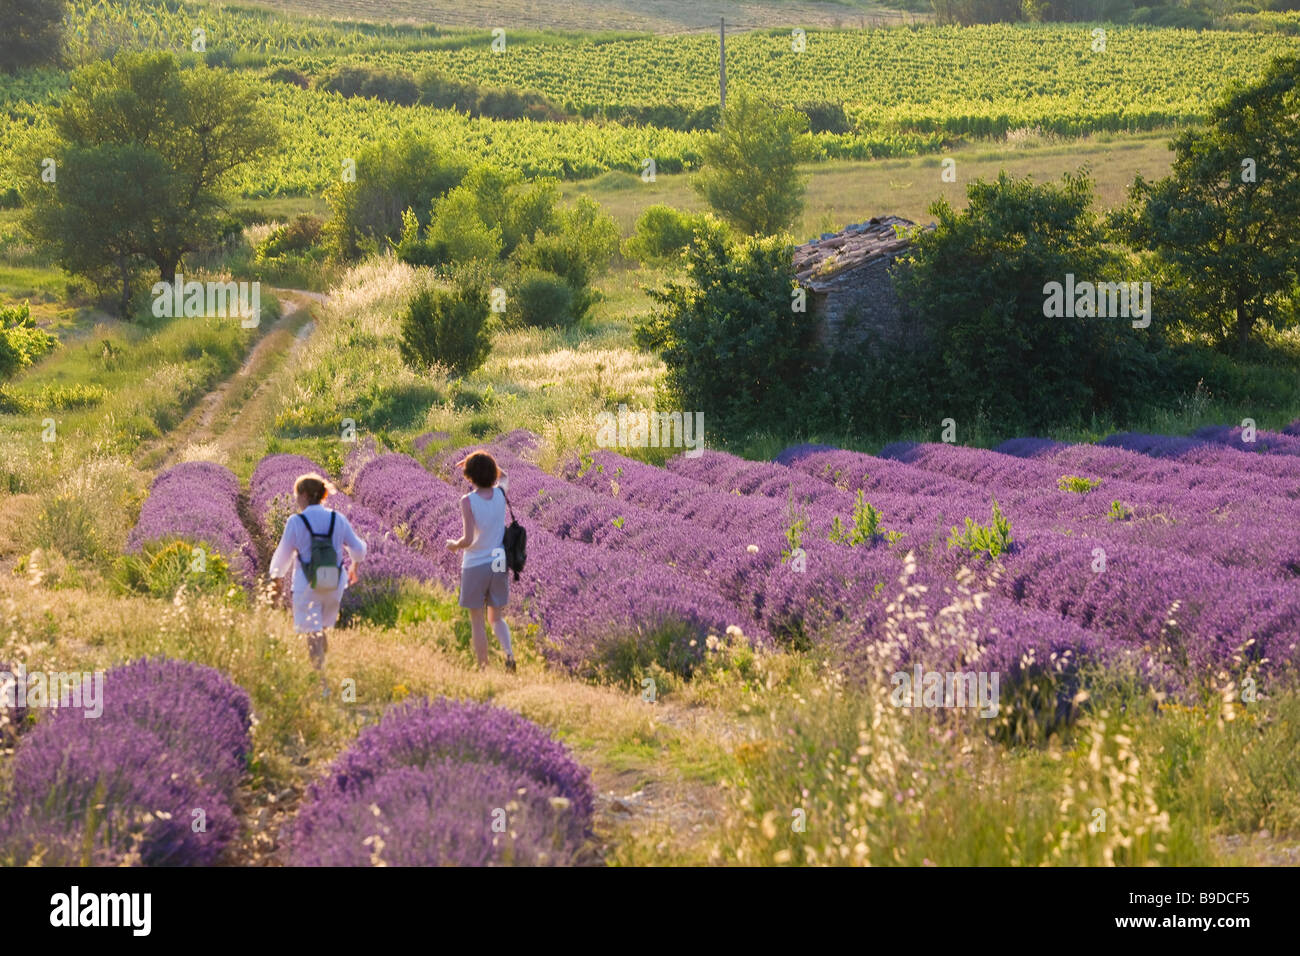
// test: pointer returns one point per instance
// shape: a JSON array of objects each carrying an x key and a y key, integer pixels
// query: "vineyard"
[
  {"x": 904, "y": 91},
  {"x": 980, "y": 80}
]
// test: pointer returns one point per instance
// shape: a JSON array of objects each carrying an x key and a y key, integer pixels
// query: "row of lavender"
[
  {"x": 1196, "y": 565},
  {"x": 448, "y": 783},
  {"x": 151, "y": 779},
  {"x": 1205, "y": 539},
  {"x": 197, "y": 502},
  {"x": 634, "y": 517}
]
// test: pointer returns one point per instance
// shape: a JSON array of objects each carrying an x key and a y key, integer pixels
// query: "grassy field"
[{"x": 843, "y": 192}]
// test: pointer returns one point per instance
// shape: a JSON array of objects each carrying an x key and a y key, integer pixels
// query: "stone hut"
[{"x": 848, "y": 279}]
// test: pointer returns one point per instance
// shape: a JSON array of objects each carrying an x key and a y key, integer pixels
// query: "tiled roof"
[{"x": 820, "y": 262}]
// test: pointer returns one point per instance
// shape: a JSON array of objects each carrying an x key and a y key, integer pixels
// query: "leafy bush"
[
  {"x": 993, "y": 540},
  {"x": 544, "y": 300},
  {"x": 447, "y": 328},
  {"x": 286, "y": 74},
  {"x": 976, "y": 285},
  {"x": 161, "y": 568},
  {"x": 391, "y": 178},
  {"x": 1078, "y": 484},
  {"x": 373, "y": 83},
  {"x": 662, "y": 234},
  {"x": 21, "y": 342},
  {"x": 297, "y": 236},
  {"x": 750, "y": 175},
  {"x": 33, "y": 34},
  {"x": 579, "y": 251},
  {"x": 734, "y": 348},
  {"x": 826, "y": 117},
  {"x": 866, "y": 526}
]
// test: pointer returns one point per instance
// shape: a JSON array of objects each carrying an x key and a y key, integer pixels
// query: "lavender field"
[{"x": 902, "y": 407}]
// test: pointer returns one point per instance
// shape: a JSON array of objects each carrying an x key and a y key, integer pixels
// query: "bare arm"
[{"x": 467, "y": 520}]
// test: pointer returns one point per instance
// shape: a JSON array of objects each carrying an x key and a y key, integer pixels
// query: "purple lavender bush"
[
  {"x": 124, "y": 786},
  {"x": 450, "y": 813},
  {"x": 419, "y": 732},
  {"x": 440, "y": 772},
  {"x": 197, "y": 502}
]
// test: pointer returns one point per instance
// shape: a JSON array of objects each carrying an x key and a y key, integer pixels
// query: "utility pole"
[{"x": 722, "y": 62}]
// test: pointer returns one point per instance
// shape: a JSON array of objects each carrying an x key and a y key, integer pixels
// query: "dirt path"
[{"x": 215, "y": 420}]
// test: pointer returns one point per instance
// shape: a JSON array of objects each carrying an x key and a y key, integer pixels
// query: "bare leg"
[
  {"x": 316, "y": 649},
  {"x": 497, "y": 617},
  {"x": 478, "y": 628}
]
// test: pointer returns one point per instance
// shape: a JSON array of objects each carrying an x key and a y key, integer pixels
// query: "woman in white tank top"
[{"x": 484, "y": 580}]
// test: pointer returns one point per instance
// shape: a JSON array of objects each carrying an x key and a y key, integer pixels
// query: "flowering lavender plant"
[
  {"x": 197, "y": 502},
  {"x": 133, "y": 784}
]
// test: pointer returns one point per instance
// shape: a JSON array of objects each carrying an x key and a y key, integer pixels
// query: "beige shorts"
[{"x": 480, "y": 585}]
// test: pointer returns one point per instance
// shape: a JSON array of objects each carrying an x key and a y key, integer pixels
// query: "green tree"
[
  {"x": 751, "y": 175},
  {"x": 1224, "y": 221},
  {"x": 366, "y": 211},
  {"x": 141, "y": 151},
  {"x": 32, "y": 33},
  {"x": 975, "y": 284},
  {"x": 734, "y": 347}
]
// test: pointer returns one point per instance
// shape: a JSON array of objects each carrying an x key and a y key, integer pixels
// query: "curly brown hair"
[{"x": 480, "y": 468}]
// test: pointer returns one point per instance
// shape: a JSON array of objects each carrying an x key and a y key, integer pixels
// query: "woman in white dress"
[{"x": 316, "y": 609}]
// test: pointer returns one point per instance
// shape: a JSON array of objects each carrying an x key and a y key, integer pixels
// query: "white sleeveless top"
[{"x": 489, "y": 528}]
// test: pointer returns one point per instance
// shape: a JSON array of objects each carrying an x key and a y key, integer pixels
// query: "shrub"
[
  {"x": 161, "y": 568},
  {"x": 297, "y": 236},
  {"x": 662, "y": 234},
  {"x": 734, "y": 348},
  {"x": 577, "y": 253},
  {"x": 826, "y": 117},
  {"x": 751, "y": 175},
  {"x": 372, "y": 83},
  {"x": 447, "y": 327},
  {"x": 391, "y": 178},
  {"x": 32, "y": 35},
  {"x": 1078, "y": 484},
  {"x": 993, "y": 540},
  {"x": 21, "y": 342},
  {"x": 286, "y": 74},
  {"x": 975, "y": 286},
  {"x": 866, "y": 526},
  {"x": 544, "y": 300}
]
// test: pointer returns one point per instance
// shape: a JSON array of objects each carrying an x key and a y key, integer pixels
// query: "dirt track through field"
[{"x": 215, "y": 420}]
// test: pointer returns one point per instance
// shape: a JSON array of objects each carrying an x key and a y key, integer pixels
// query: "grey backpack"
[{"x": 324, "y": 569}]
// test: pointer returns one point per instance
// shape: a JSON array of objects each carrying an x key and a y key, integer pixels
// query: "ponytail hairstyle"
[{"x": 316, "y": 487}]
